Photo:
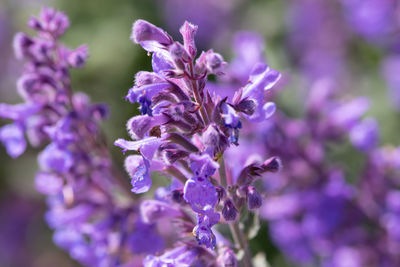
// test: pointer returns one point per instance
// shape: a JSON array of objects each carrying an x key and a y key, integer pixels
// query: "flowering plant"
[{"x": 183, "y": 133}]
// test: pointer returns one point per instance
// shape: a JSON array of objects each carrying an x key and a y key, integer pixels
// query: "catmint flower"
[
  {"x": 262, "y": 79},
  {"x": 184, "y": 130},
  {"x": 200, "y": 193},
  {"x": 138, "y": 168}
]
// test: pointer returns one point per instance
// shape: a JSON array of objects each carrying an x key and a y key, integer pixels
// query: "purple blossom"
[
  {"x": 12, "y": 136},
  {"x": 138, "y": 169},
  {"x": 184, "y": 130},
  {"x": 365, "y": 135}
]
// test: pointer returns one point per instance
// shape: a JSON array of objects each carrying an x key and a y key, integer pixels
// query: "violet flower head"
[
  {"x": 91, "y": 215},
  {"x": 184, "y": 131}
]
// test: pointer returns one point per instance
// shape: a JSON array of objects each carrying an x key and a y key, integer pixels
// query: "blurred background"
[{"x": 356, "y": 42}]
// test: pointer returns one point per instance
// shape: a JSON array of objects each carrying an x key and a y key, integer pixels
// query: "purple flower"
[
  {"x": 77, "y": 58},
  {"x": 365, "y": 135},
  {"x": 12, "y": 137},
  {"x": 145, "y": 239},
  {"x": 203, "y": 165},
  {"x": 153, "y": 210},
  {"x": 55, "y": 159},
  {"x": 249, "y": 51},
  {"x": 150, "y": 37},
  {"x": 48, "y": 183},
  {"x": 179, "y": 256},
  {"x": 138, "y": 169},
  {"x": 261, "y": 79},
  {"x": 200, "y": 193}
]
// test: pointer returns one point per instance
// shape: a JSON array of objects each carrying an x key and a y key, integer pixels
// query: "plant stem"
[
  {"x": 237, "y": 234},
  {"x": 222, "y": 172},
  {"x": 241, "y": 240}
]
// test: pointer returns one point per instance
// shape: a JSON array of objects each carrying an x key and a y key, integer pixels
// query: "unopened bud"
[
  {"x": 273, "y": 164},
  {"x": 229, "y": 211},
  {"x": 143, "y": 31},
  {"x": 214, "y": 62},
  {"x": 254, "y": 199},
  {"x": 247, "y": 106},
  {"x": 188, "y": 32}
]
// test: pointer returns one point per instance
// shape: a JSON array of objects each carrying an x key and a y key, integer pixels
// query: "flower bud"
[
  {"x": 229, "y": 211},
  {"x": 247, "y": 106},
  {"x": 171, "y": 155},
  {"x": 177, "y": 196},
  {"x": 272, "y": 164},
  {"x": 179, "y": 54},
  {"x": 188, "y": 32},
  {"x": 254, "y": 199},
  {"x": 77, "y": 58},
  {"x": 182, "y": 140},
  {"x": 143, "y": 31},
  {"x": 21, "y": 44},
  {"x": 145, "y": 77},
  {"x": 214, "y": 62},
  {"x": 214, "y": 140}
]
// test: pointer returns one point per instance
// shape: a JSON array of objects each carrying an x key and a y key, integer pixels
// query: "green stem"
[
  {"x": 241, "y": 240},
  {"x": 222, "y": 172}
]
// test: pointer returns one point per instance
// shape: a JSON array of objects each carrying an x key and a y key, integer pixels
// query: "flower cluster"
[
  {"x": 91, "y": 221},
  {"x": 184, "y": 130}
]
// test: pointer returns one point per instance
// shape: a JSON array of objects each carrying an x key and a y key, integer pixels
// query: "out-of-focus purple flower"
[
  {"x": 372, "y": 19},
  {"x": 84, "y": 200},
  {"x": 12, "y": 136},
  {"x": 317, "y": 38},
  {"x": 212, "y": 17},
  {"x": 145, "y": 239},
  {"x": 153, "y": 210},
  {"x": 365, "y": 135},
  {"x": 249, "y": 51},
  {"x": 77, "y": 58},
  {"x": 55, "y": 159},
  {"x": 48, "y": 183}
]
